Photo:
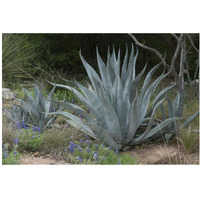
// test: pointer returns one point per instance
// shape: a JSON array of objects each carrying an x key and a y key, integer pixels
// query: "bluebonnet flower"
[
  {"x": 15, "y": 153},
  {"x": 38, "y": 129},
  {"x": 71, "y": 147},
  {"x": 86, "y": 135},
  {"x": 26, "y": 133},
  {"x": 79, "y": 147},
  {"x": 3, "y": 146},
  {"x": 23, "y": 124},
  {"x": 16, "y": 140},
  {"x": 65, "y": 150},
  {"x": 80, "y": 159},
  {"x": 32, "y": 137},
  {"x": 88, "y": 149},
  {"x": 94, "y": 152},
  {"x": 116, "y": 151},
  {"x": 87, "y": 142},
  {"x": 119, "y": 162},
  {"x": 109, "y": 148},
  {"x": 81, "y": 141},
  {"x": 34, "y": 128},
  {"x": 96, "y": 157},
  {"x": 104, "y": 157},
  {"x": 18, "y": 125},
  {"x": 38, "y": 135},
  {"x": 26, "y": 127},
  {"x": 5, "y": 154},
  {"x": 102, "y": 146},
  {"x": 96, "y": 146}
]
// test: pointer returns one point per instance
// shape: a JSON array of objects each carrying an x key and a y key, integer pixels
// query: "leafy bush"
[
  {"x": 120, "y": 114},
  {"x": 188, "y": 139}
]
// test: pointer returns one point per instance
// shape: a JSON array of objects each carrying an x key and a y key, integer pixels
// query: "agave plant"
[
  {"x": 120, "y": 112},
  {"x": 34, "y": 109},
  {"x": 175, "y": 109}
]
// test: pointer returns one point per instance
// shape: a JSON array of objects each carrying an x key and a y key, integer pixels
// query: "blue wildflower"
[
  {"x": 5, "y": 154},
  {"x": 54, "y": 109},
  {"x": 116, "y": 151},
  {"x": 67, "y": 125},
  {"x": 80, "y": 115},
  {"x": 38, "y": 129},
  {"x": 96, "y": 146},
  {"x": 34, "y": 128},
  {"x": 96, "y": 157},
  {"x": 65, "y": 150},
  {"x": 104, "y": 157},
  {"x": 23, "y": 124},
  {"x": 32, "y": 137},
  {"x": 14, "y": 153},
  {"x": 71, "y": 137},
  {"x": 38, "y": 135},
  {"x": 79, "y": 147},
  {"x": 71, "y": 147},
  {"x": 88, "y": 149},
  {"x": 18, "y": 125},
  {"x": 81, "y": 141},
  {"x": 109, "y": 148},
  {"x": 102, "y": 146},
  {"x": 86, "y": 135},
  {"x": 16, "y": 140},
  {"x": 80, "y": 159},
  {"x": 3, "y": 146},
  {"x": 87, "y": 142}
]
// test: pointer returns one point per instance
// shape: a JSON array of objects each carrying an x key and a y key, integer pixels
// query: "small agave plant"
[
  {"x": 35, "y": 109},
  {"x": 175, "y": 109},
  {"x": 120, "y": 115}
]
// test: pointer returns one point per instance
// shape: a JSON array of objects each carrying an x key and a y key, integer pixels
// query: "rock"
[{"x": 7, "y": 94}]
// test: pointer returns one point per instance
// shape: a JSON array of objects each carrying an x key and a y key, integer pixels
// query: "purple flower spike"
[
  {"x": 80, "y": 159},
  {"x": 104, "y": 157},
  {"x": 5, "y": 154},
  {"x": 116, "y": 151},
  {"x": 3, "y": 146},
  {"x": 71, "y": 147},
  {"x": 18, "y": 125},
  {"x": 23, "y": 124},
  {"x": 109, "y": 148},
  {"x": 16, "y": 141},
  {"x": 15, "y": 153},
  {"x": 81, "y": 141},
  {"x": 86, "y": 135},
  {"x": 65, "y": 150},
  {"x": 87, "y": 142},
  {"x": 88, "y": 149},
  {"x": 96, "y": 146}
]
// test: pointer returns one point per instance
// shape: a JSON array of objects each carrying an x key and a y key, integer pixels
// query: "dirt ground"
[{"x": 147, "y": 154}]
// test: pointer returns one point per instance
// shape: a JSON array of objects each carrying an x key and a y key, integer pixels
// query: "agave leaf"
[
  {"x": 160, "y": 127},
  {"x": 179, "y": 110},
  {"x": 105, "y": 136},
  {"x": 79, "y": 110},
  {"x": 158, "y": 97},
  {"x": 102, "y": 69},
  {"x": 111, "y": 118},
  {"x": 93, "y": 76},
  {"x": 187, "y": 121},
  {"x": 75, "y": 119},
  {"x": 163, "y": 111},
  {"x": 145, "y": 134},
  {"x": 170, "y": 109},
  {"x": 124, "y": 67}
]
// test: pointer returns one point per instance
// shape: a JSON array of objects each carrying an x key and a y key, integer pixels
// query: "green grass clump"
[{"x": 188, "y": 139}]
